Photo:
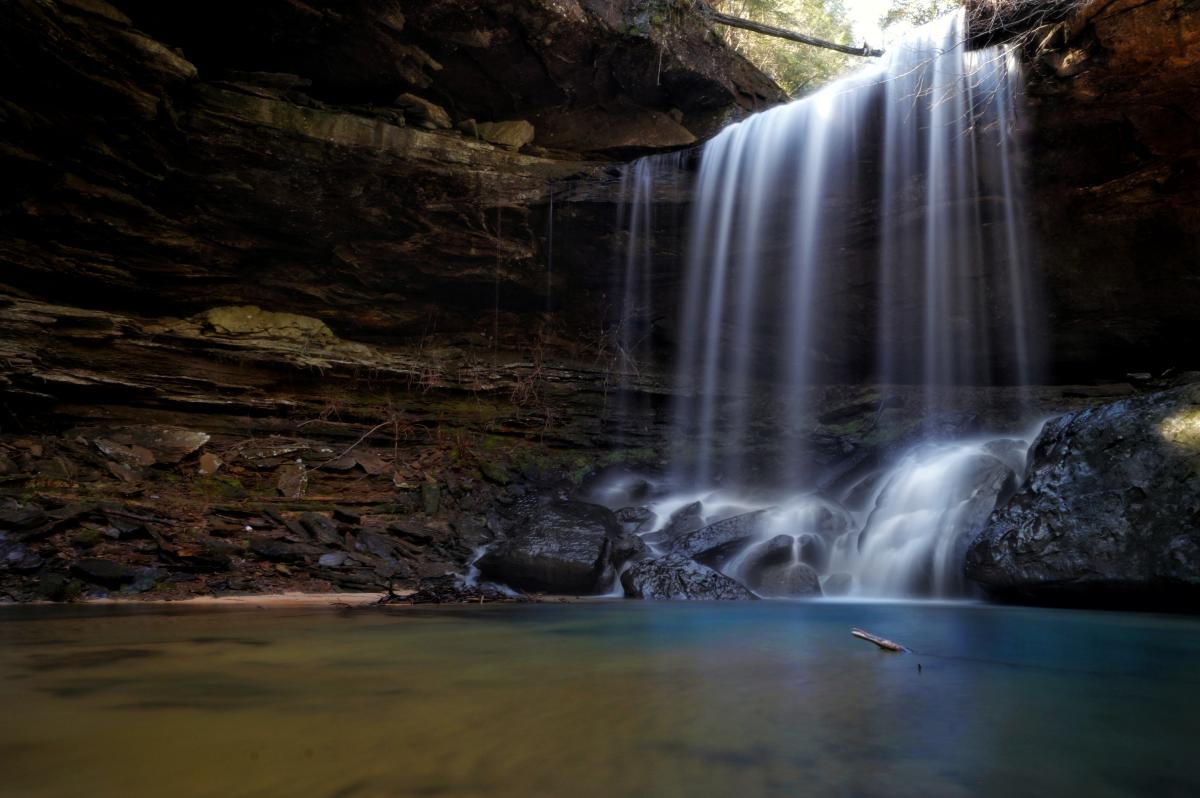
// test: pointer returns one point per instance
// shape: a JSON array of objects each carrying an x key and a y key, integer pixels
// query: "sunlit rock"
[{"x": 1109, "y": 512}]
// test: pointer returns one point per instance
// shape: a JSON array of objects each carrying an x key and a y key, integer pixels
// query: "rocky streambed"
[{"x": 1104, "y": 510}]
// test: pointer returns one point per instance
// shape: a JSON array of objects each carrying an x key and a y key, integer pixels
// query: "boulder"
[
  {"x": 779, "y": 550},
  {"x": 790, "y": 580},
  {"x": 346, "y": 516},
  {"x": 562, "y": 547},
  {"x": 716, "y": 543},
  {"x": 19, "y": 558},
  {"x": 830, "y": 521},
  {"x": 145, "y": 445},
  {"x": 838, "y": 584},
  {"x": 278, "y": 550},
  {"x": 292, "y": 481},
  {"x": 21, "y": 517},
  {"x": 145, "y": 579},
  {"x": 415, "y": 535},
  {"x": 209, "y": 464},
  {"x": 626, "y": 548},
  {"x": 104, "y": 572},
  {"x": 379, "y": 545},
  {"x": 771, "y": 569},
  {"x": 813, "y": 550},
  {"x": 1109, "y": 512},
  {"x": 57, "y": 587},
  {"x": 678, "y": 577},
  {"x": 332, "y": 560},
  {"x": 323, "y": 530},
  {"x": 686, "y": 519},
  {"x": 424, "y": 113},
  {"x": 636, "y": 519},
  {"x": 514, "y": 135},
  {"x": 206, "y": 557}
]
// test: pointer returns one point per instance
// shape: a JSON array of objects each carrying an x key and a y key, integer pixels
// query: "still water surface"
[{"x": 602, "y": 699}]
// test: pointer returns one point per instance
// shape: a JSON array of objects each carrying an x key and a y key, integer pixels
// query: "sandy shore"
[
  {"x": 264, "y": 600},
  {"x": 285, "y": 600}
]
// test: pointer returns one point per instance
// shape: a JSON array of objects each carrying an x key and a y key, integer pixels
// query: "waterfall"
[
  {"x": 871, "y": 233},
  {"x": 920, "y": 147}
]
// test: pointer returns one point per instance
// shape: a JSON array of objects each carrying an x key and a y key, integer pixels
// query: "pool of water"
[{"x": 600, "y": 699}]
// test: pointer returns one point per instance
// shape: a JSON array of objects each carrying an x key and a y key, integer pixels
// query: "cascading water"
[{"x": 915, "y": 157}]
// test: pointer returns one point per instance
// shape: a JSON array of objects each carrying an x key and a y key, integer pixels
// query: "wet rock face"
[
  {"x": 564, "y": 547},
  {"x": 678, "y": 577},
  {"x": 1109, "y": 512}
]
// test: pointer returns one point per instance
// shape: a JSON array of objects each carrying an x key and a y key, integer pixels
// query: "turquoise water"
[{"x": 599, "y": 699}]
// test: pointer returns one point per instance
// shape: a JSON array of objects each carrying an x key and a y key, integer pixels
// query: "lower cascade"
[
  {"x": 898, "y": 531},
  {"x": 926, "y": 142}
]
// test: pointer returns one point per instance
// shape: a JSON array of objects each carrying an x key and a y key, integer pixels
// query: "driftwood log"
[
  {"x": 882, "y": 642},
  {"x": 781, "y": 33}
]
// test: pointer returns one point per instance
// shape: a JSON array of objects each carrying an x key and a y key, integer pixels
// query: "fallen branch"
[
  {"x": 882, "y": 642},
  {"x": 780, "y": 33}
]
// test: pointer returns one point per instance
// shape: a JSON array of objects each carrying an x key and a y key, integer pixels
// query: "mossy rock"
[
  {"x": 250, "y": 320},
  {"x": 495, "y": 472},
  {"x": 57, "y": 587},
  {"x": 222, "y": 487}
]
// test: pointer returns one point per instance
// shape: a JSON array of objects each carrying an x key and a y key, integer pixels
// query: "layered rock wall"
[{"x": 308, "y": 232}]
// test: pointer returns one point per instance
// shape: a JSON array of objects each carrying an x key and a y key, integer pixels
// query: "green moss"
[
  {"x": 221, "y": 487},
  {"x": 495, "y": 472}
]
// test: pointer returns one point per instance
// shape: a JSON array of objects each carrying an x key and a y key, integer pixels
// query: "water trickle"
[
  {"x": 646, "y": 186},
  {"x": 872, "y": 233}
]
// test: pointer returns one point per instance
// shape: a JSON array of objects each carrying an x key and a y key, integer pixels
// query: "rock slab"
[{"x": 677, "y": 577}]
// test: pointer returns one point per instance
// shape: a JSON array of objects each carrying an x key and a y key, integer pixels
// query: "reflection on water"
[{"x": 605, "y": 699}]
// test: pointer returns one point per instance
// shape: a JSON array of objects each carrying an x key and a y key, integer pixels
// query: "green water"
[{"x": 604, "y": 699}]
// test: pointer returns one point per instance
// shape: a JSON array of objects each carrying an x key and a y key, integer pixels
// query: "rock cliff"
[{"x": 308, "y": 232}]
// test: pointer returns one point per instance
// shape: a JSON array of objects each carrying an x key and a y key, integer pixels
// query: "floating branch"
[
  {"x": 882, "y": 642},
  {"x": 780, "y": 33}
]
